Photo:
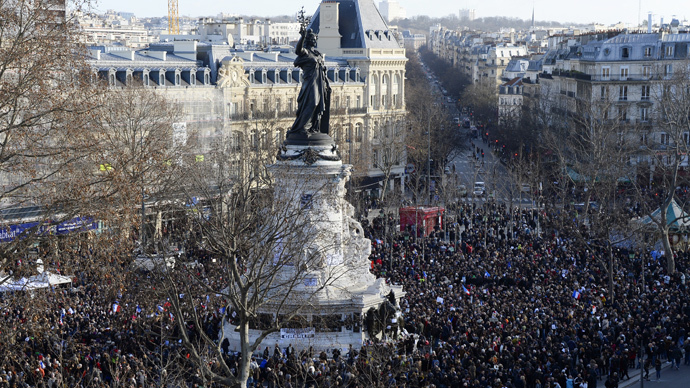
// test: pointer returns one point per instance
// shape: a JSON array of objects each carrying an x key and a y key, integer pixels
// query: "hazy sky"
[{"x": 579, "y": 11}]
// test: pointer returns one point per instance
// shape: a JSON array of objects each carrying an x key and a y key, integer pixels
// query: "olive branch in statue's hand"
[{"x": 303, "y": 21}]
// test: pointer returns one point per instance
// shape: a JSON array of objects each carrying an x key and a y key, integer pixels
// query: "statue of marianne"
[{"x": 314, "y": 100}]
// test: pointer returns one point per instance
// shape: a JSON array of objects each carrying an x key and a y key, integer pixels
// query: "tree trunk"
[
  {"x": 246, "y": 354},
  {"x": 611, "y": 274},
  {"x": 670, "y": 260}
]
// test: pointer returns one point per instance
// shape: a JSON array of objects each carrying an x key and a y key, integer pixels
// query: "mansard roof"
[{"x": 360, "y": 25}]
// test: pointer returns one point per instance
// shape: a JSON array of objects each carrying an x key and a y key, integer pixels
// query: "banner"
[{"x": 307, "y": 332}]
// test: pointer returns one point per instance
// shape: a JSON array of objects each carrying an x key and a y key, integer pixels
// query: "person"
[
  {"x": 657, "y": 366},
  {"x": 313, "y": 101}
]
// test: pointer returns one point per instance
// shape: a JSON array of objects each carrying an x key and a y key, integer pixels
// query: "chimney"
[
  {"x": 649, "y": 23},
  {"x": 329, "y": 29}
]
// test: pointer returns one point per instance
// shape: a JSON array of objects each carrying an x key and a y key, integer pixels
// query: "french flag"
[
  {"x": 465, "y": 290},
  {"x": 116, "y": 307},
  {"x": 576, "y": 294}
]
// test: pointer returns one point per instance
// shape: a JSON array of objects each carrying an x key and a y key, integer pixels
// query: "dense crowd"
[
  {"x": 508, "y": 307},
  {"x": 503, "y": 303}
]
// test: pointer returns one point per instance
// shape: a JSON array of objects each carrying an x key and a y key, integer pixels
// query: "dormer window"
[
  {"x": 648, "y": 51},
  {"x": 625, "y": 52},
  {"x": 145, "y": 79},
  {"x": 336, "y": 77},
  {"x": 264, "y": 77},
  {"x": 207, "y": 78},
  {"x": 177, "y": 79},
  {"x": 161, "y": 78}
]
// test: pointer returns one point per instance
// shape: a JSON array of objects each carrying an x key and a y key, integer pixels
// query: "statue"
[{"x": 314, "y": 99}]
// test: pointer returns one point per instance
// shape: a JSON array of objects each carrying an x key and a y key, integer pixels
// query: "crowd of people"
[
  {"x": 504, "y": 306},
  {"x": 500, "y": 304}
]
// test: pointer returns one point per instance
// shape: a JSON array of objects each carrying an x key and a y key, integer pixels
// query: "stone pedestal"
[{"x": 313, "y": 176}]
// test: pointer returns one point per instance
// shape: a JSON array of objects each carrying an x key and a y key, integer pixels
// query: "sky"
[{"x": 576, "y": 11}]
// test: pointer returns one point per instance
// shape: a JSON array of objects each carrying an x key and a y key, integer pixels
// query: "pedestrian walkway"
[{"x": 634, "y": 380}]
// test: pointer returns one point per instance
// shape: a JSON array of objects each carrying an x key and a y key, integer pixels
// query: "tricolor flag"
[
  {"x": 70, "y": 311},
  {"x": 576, "y": 294},
  {"x": 161, "y": 309},
  {"x": 594, "y": 310},
  {"x": 116, "y": 307},
  {"x": 138, "y": 309},
  {"x": 172, "y": 317},
  {"x": 465, "y": 290}
]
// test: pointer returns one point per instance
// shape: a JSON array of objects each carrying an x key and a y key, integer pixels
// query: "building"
[
  {"x": 467, "y": 14},
  {"x": 413, "y": 41},
  {"x": 391, "y": 10},
  {"x": 248, "y": 98},
  {"x": 623, "y": 77},
  {"x": 510, "y": 101},
  {"x": 260, "y": 33}
]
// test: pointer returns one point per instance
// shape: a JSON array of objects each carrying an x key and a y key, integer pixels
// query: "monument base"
[{"x": 308, "y": 139}]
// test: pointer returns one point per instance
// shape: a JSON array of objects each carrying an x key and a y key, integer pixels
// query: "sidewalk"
[{"x": 634, "y": 380}]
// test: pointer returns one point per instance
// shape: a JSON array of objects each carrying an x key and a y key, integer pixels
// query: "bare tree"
[
  {"x": 268, "y": 257},
  {"x": 667, "y": 150}
]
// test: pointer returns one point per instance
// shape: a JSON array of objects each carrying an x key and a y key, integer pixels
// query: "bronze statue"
[{"x": 313, "y": 102}]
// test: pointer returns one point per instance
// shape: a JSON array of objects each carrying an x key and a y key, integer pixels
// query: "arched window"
[
  {"x": 177, "y": 79},
  {"x": 145, "y": 79},
  {"x": 207, "y": 78},
  {"x": 111, "y": 79}
]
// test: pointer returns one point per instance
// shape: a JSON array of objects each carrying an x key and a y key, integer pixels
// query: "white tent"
[{"x": 42, "y": 280}]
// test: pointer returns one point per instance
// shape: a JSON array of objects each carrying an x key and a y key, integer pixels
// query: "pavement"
[{"x": 670, "y": 378}]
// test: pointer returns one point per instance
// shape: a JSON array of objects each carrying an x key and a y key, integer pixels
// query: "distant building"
[
  {"x": 391, "y": 10},
  {"x": 248, "y": 99},
  {"x": 467, "y": 14},
  {"x": 510, "y": 101},
  {"x": 413, "y": 41}
]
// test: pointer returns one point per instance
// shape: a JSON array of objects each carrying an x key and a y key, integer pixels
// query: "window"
[
  {"x": 207, "y": 79},
  {"x": 644, "y": 114},
  {"x": 177, "y": 79},
  {"x": 668, "y": 69},
  {"x": 623, "y": 93},
  {"x": 645, "y": 93},
  {"x": 686, "y": 138},
  {"x": 625, "y": 52},
  {"x": 647, "y": 52},
  {"x": 604, "y": 93},
  {"x": 647, "y": 71},
  {"x": 623, "y": 113},
  {"x": 358, "y": 132},
  {"x": 347, "y": 102},
  {"x": 663, "y": 138},
  {"x": 146, "y": 80},
  {"x": 669, "y": 50},
  {"x": 605, "y": 73},
  {"x": 335, "y": 76},
  {"x": 306, "y": 201},
  {"x": 624, "y": 73}
]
